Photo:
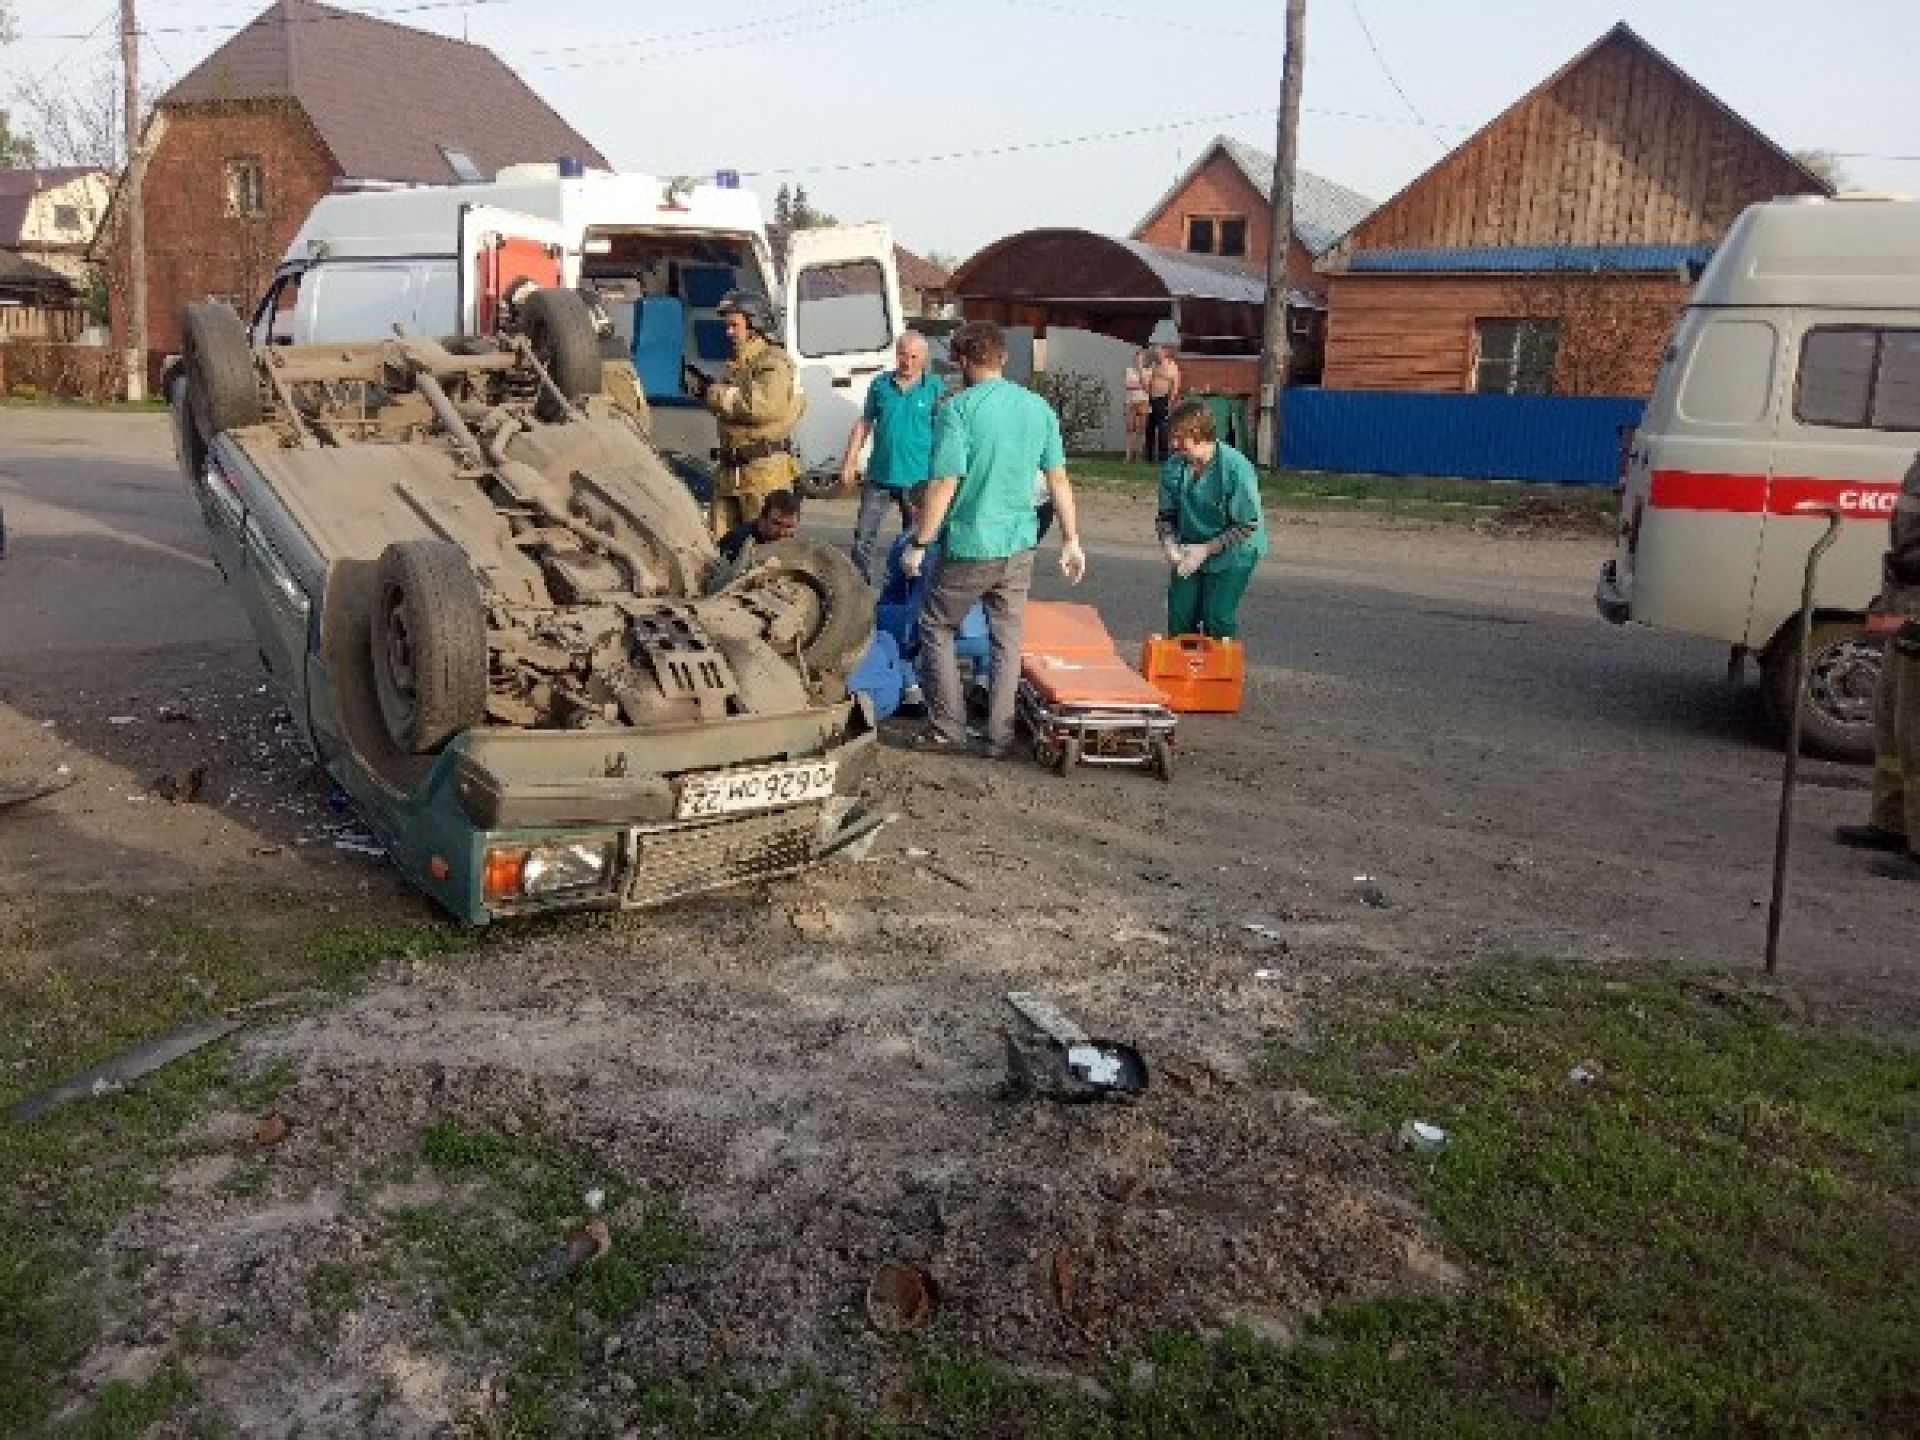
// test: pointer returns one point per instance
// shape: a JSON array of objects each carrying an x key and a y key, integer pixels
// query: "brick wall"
[
  {"x": 194, "y": 248},
  {"x": 1219, "y": 188}
]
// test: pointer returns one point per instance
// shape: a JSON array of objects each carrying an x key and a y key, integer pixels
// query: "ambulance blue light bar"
[{"x": 726, "y": 179}]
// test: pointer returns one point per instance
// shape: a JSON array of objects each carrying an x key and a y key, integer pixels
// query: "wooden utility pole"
[
  {"x": 1273, "y": 346},
  {"x": 135, "y": 212}
]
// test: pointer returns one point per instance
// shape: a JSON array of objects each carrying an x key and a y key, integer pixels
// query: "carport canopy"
[{"x": 1122, "y": 288}]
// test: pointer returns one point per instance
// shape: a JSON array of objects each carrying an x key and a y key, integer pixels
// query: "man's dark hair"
[
  {"x": 980, "y": 342},
  {"x": 780, "y": 502}
]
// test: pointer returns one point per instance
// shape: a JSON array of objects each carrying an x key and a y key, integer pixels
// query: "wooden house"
[{"x": 1551, "y": 251}]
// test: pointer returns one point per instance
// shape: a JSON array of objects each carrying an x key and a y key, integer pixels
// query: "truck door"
[
  {"x": 498, "y": 250},
  {"x": 842, "y": 317}
]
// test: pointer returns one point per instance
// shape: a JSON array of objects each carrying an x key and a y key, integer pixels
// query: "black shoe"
[
  {"x": 1898, "y": 867},
  {"x": 1870, "y": 837}
]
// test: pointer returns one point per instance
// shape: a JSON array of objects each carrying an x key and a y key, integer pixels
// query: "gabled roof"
[
  {"x": 917, "y": 272},
  {"x": 21, "y": 275},
  {"x": 1322, "y": 210},
  {"x": 1620, "y": 33},
  {"x": 384, "y": 98}
]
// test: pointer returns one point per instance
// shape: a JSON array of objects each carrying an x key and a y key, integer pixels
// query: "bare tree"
[
  {"x": 78, "y": 125},
  {"x": 1611, "y": 325},
  {"x": 16, "y": 149},
  {"x": 1826, "y": 165}
]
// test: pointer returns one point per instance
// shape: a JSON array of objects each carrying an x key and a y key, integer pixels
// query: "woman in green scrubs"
[{"x": 1209, "y": 524}]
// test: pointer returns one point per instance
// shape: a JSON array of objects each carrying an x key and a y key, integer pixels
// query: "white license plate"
[{"x": 725, "y": 792}]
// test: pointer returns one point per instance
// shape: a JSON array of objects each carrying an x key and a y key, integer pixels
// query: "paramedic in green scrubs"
[{"x": 1209, "y": 525}]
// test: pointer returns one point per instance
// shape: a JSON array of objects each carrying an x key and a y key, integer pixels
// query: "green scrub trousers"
[{"x": 1207, "y": 602}]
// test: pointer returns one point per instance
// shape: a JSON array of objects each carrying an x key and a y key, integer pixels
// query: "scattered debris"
[
  {"x": 1194, "y": 1075},
  {"x": 915, "y": 852},
  {"x": 901, "y": 1297},
  {"x": 57, "y": 781},
  {"x": 1587, "y": 1072},
  {"x": 1063, "y": 1062},
  {"x": 1367, "y": 891},
  {"x": 1264, "y": 930},
  {"x": 582, "y": 1241},
  {"x": 182, "y": 790},
  {"x": 1061, "y": 1274},
  {"x": 272, "y": 1129},
  {"x": 1427, "y": 1139},
  {"x": 957, "y": 881},
  {"x": 175, "y": 715},
  {"x": 112, "y": 1074}
]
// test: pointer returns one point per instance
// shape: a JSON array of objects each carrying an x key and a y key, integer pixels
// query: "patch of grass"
[
  {"x": 480, "y": 1249},
  {"x": 82, "y": 979},
  {"x": 1407, "y": 496},
  {"x": 124, "y": 1412},
  {"x": 152, "y": 405}
]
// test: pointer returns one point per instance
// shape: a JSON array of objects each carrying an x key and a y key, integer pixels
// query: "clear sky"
[{"x": 964, "y": 120}]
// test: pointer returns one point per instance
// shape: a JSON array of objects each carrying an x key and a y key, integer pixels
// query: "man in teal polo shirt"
[
  {"x": 988, "y": 441},
  {"x": 899, "y": 416}
]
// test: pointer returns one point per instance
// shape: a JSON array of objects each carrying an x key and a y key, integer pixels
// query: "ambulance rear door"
[
  {"x": 843, "y": 314},
  {"x": 498, "y": 250}
]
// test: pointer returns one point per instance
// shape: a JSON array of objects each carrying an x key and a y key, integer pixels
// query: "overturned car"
[{"x": 497, "y": 617}]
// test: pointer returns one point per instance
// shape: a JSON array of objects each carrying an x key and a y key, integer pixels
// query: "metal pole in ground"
[{"x": 1776, "y": 910}]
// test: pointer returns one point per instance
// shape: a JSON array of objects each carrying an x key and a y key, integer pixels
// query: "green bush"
[{"x": 1080, "y": 400}]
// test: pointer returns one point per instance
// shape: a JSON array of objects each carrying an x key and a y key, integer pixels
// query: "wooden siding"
[
  {"x": 1416, "y": 332},
  {"x": 1620, "y": 148},
  {"x": 1219, "y": 188}
]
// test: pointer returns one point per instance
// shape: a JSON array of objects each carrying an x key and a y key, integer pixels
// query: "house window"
[
  {"x": 66, "y": 217},
  {"x": 1216, "y": 234},
  {"x": 1515, "y": 357},
  {"x": 246, "y": 188},
  {"x": 1859, "y": 378}
]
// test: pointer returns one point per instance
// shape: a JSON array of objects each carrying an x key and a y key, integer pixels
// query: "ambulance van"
[
  {"x": 1791, "y": 385},
  {"x": 437, "y": 260}
]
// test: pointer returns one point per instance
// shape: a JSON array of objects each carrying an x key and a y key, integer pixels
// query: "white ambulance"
[
  {"x": 435, "y": 260},
  {"x": 1792, "y": 382}
]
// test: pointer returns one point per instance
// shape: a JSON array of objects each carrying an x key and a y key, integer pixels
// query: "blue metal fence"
[{"x": 1568, "y": 439}]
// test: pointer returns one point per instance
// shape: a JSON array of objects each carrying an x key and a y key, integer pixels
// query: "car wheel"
[
  {"x": 1843, "y": 671},
  {"x": 844, "y": 628},
  {"x": 429, "y": 638},
  {"x": 559, "y": 327},
  {"x": 222, "y": 390},
  {"x": 1162, "y": 746}
]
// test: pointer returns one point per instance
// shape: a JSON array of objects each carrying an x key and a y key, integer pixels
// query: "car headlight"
[{"x": 524, "y": 872}]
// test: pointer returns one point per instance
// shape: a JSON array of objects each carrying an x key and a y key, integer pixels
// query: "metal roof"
[
  {"x": 386, "y": 99},
  {"x": 1521, "y": 259},
  {"x": 1071, "y": 266},
  {"x": 1322, "y": 210}
]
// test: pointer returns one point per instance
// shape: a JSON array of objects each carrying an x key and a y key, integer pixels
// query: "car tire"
[
  {"x": 429, "y": 639},
  {"x": 222, "y": 389},
  {"x": 559, "y": 327},
  {"x": 189, "y": 448},
  {"x": 845, "y": 628},
  {"x": 1842, "y": 672}
]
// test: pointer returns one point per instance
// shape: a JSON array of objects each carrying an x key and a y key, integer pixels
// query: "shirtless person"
[{"x": 1163, "y": 391}]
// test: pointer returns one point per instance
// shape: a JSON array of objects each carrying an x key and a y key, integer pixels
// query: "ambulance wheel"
[
  {"x": 1069, "y": 757},
  {"x": 1843, "y": 670},
  {"x": 1162, "y": 747},
  {"x": 1045, "y": 753}
]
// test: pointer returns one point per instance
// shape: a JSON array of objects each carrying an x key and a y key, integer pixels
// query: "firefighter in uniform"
[
  {"x": 757, "y": 403},
  {"x": 1893, "y": 824}
]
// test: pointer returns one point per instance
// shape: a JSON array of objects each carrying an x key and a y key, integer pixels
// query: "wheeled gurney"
[{"x": 1080, "y": 702}]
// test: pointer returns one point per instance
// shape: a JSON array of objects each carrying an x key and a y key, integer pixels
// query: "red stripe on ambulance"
[{"x": 1753, "y": 495}]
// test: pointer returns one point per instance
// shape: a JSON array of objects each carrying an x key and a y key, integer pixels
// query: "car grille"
[{"x": 686, "y": 859}]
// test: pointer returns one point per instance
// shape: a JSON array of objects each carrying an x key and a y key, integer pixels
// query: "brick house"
[
  {"x": 305, "y": 99},
  {"x": 1222, "y": 205},
  {"x": 1552, "y": 250}
]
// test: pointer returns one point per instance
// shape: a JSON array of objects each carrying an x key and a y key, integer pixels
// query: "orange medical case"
[{"x": 1198, "y": 673}]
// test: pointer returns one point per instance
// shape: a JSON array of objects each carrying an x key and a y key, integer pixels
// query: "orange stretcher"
[{"x": 1080, "y": 702}]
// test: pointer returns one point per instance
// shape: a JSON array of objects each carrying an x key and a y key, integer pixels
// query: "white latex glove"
[
  {"x": 913, "y": 560},
  {"x": 722, "y": 397},
  {"x": 1172, "y": 548},
  {"x": 1073, "y": 562},
  {"x": 1191, "y": 558}
]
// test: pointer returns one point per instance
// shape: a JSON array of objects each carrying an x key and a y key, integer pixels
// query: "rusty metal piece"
[
  {"x": 901, "y": 1297},
  {"x": 272, "y": 1129}
]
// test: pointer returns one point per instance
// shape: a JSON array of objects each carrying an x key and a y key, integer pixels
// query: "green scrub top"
[
  {"x": 902, "y": 422},
  {"x": 1225, "y": 494},
  {"x": 993, "y": 436}
]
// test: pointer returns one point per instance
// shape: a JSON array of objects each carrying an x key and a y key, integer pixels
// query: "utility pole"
[
  {"x": 1273, "y": 345},
  {"x": 136, "y": 218}
]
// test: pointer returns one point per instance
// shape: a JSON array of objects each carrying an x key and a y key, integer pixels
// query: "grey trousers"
[
  {"x": 874, "y": 500},
  {"x": 1001, "y": 587}
]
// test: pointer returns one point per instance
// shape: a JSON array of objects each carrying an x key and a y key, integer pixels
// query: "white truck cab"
[
  {"x": 435, "y": 260},
  {"x": 1792, "y": 381}
]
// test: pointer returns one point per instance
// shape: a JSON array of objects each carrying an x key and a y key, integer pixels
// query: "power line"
[
  {"x": 1154, "y": 20},
  {"x": 764, "y": 21},
  {"x": 275, "y": 18},
  {"x": 1387, "y": 71},
  {"x": 793, "y": 32}
]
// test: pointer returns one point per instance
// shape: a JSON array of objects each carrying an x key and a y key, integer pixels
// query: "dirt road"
[{"x": 810, "y": 1071}]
